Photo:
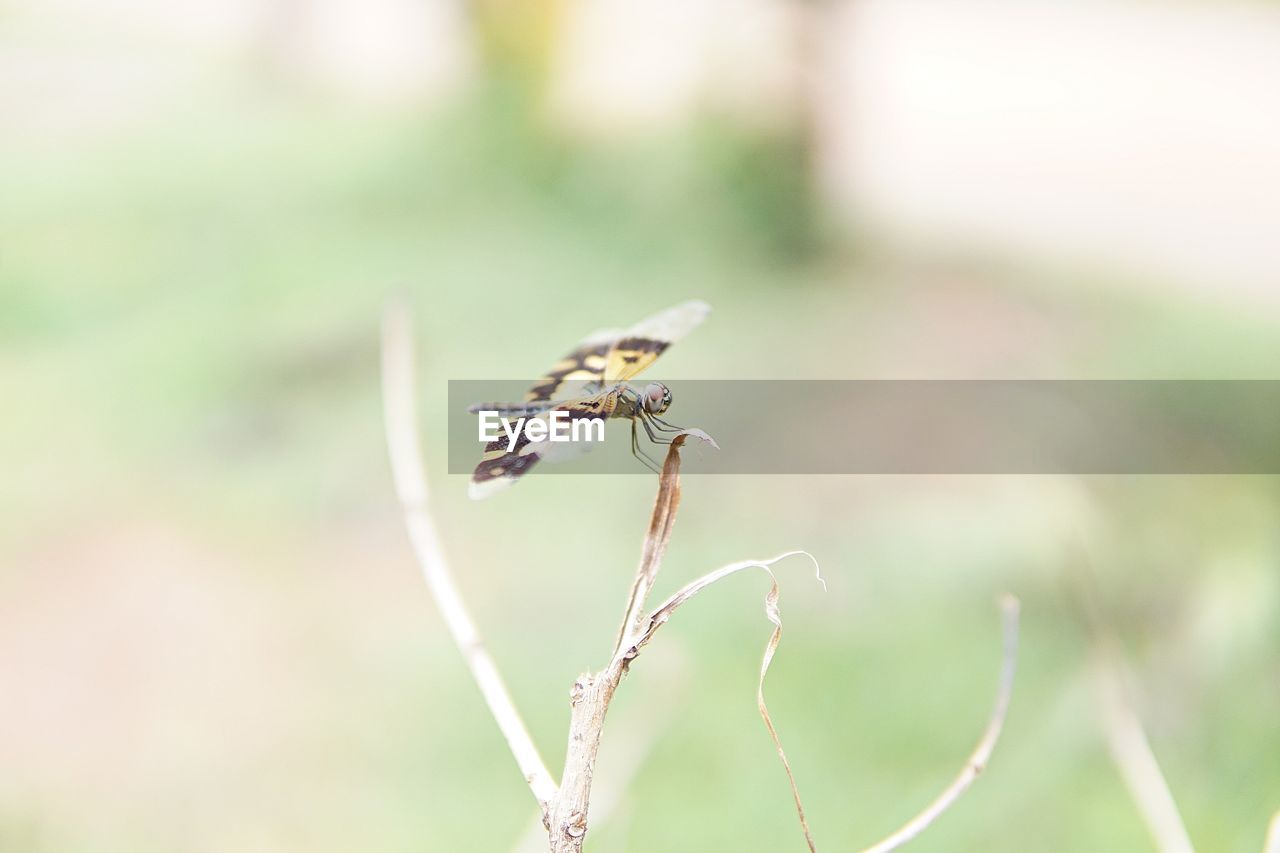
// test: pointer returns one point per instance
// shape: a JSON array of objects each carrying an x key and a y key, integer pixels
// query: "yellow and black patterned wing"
[
  {"x": 640, "y": 345},
  {"x": 602, "y": 359},
  {"x": 500, "y": 467},
  {"x": 573, "y": 375}
]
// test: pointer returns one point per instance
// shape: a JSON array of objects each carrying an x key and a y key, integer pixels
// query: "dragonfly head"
[{"x": 656, "y": 398}]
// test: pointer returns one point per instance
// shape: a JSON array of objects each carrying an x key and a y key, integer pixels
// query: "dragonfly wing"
[
  {"x": 574, "y": 375},
  {"x": 640, "y": 345},
  {"x": 501, "y": 467}
]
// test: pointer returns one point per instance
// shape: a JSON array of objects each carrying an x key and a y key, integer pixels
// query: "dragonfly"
[{"x": 592, "y": 381}]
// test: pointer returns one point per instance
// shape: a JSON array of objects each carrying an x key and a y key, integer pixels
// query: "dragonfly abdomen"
[{"x": 512, "y": 409}]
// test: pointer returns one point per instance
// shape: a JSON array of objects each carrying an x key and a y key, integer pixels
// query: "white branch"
[
  {"x": 411, "y": 487},
  {"x": 1132, "y": 754},
  {"x": 1126, "y": 739},
  {"x": 982, "y": 753},
  {"x": 1272, "y": 844}
]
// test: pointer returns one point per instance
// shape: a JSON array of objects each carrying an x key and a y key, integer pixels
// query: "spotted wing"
[
  {"x": 640, "y": 345},
  {"x": 500, "y": 467},
  {"x": 574, "y": 375}
]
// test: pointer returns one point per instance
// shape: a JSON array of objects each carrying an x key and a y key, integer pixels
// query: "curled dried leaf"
[
  {"x": 694, "y": 432},
  {"x": 663, "y": 612}
]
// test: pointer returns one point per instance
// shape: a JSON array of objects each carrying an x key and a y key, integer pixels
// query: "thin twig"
[
  {"x": 1272, "y": 844},
  {"x": 1131, "y": 752},
  {"x": 1126, "y": 739},
  {"x": 982, "y": 753},
  {"x": 411, "y": 487}
]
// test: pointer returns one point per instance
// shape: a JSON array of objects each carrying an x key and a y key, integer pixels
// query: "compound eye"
[{"x": 657, "y": 398}]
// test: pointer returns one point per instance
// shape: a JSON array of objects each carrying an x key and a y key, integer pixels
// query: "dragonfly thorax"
[{"x": 628, "y": 402}]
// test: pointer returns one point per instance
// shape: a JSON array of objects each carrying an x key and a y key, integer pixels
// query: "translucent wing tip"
[
  {"x": 478, "y": 491},
  {"x": 695, "y": 310},
  {"x": 674, "y": 323}
]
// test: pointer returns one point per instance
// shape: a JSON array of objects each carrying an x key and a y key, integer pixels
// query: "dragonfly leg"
[
  {"x": 663, "y": 426},
  {"x": 640, "y": 454},
  {"x": 644, "y": 421}
]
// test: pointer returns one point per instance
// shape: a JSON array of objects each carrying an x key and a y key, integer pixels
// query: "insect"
[{"x": 591, "y": 382}]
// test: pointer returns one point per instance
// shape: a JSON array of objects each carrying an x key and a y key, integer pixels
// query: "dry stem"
[
  {"x": 644, "y": 724},
  {"x": 592, "y": 693},
  {"x": 1131, "y": 752},
  {"x": 1126, "y": 738},
  {"x": 411, "y": 487}
]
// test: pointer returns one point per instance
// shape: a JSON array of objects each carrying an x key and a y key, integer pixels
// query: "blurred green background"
[{"x": 213, "y": 636}]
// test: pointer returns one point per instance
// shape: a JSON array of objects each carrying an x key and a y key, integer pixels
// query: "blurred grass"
[{"x": 188, "y": 320}]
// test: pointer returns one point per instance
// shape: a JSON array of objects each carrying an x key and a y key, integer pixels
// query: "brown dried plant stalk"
[
  {"x": 592, "y": 692},
  {"x": 564, "y": 807}
]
